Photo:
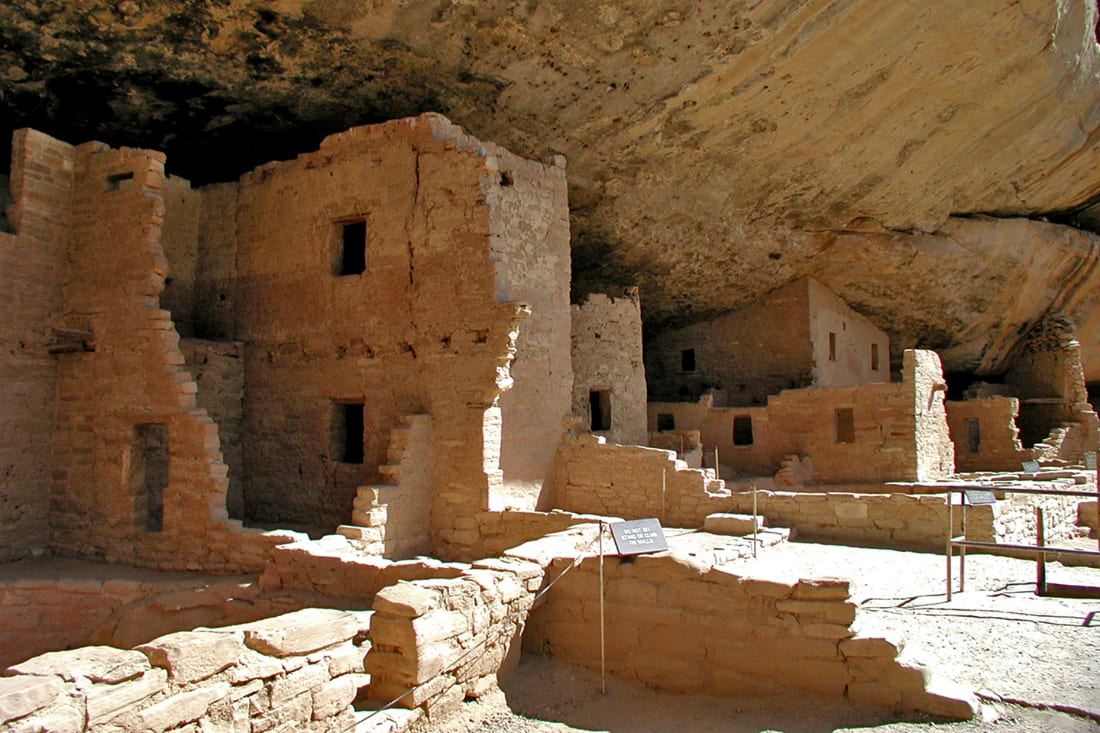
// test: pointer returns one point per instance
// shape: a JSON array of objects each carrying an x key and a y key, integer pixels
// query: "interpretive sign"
[
  {"x": 1031, "y": 466},
  {"x": 977, "y": 497},
  {"x": 639, "y": 536},
  {"x": 1090, "y": 460}
]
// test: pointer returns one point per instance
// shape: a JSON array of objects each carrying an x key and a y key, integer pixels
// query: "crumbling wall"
[
  {"x": 607, "y": 359},
  {"x": 1046, "y": 374},
  {"x": 596, "y": 477},
  {"x": 32, "y": 267},
  {"x": 300, "y": 671},
  {"x": 137, "y": 473},
  {"x": 984, "y": 432},
  {"x": 218, "y": 370}
]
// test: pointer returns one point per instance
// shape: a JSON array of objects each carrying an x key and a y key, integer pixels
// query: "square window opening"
[
  {"x": 665, "y": 421},
  {"x": 599, "y": 407},
  {"x": 687, "y": 360},
  {"x": 845, "y": 425},
  {"x": 974, "y": 434},
  {"x": 118, "y": 181},
  {"x": 347, "y": 432},
  {"x": 742, "y": 430},
  {"x": 352, "y": 256},
  {"x": 149, "y": 475},
  {"x": 832, "y": 346}
]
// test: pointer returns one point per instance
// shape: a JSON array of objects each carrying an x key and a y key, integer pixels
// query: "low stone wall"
[
  {"x": 596, "y": 477},
  {"x": 296, "y": 672},
  {"x": 437, "y": 642},
  {"x": 678, "y": 622},
  {"x": 912, "y": 521}
]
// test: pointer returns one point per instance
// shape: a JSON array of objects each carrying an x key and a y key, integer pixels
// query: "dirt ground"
[{"x": 1040, "y": 656}]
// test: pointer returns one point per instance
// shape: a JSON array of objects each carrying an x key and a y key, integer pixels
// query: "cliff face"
[{"x": 717, "y": 149}]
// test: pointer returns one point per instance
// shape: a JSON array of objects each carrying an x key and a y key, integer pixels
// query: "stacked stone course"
[{"x": 296, "y": 672}]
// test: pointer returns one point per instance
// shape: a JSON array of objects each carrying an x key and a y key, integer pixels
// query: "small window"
[
  {"x": 118, "y": 181},
  {"x": 687, "y": 360},
  {"x": 832, "y": 346},
  {"x": 874, "y": 357},
  {"x": 352, "y": 259},
  {"x": 845, "y": 425},
  {"x": 149, "y": 475},
  {"x": 599, "y": 406},
  {"x": 742, "y": 430},
  {"x": 665, "y": 421},
  {"x": 347, "y": 432},
  {"x": 974, "y": 434}
]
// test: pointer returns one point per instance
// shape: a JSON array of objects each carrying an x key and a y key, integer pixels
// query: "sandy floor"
[{"x": 998, "y": 637}]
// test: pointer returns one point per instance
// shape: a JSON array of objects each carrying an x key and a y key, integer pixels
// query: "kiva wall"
[{"x": 607, "y": 360}]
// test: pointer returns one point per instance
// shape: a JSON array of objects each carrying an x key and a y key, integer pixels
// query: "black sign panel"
[
  {"x": 639, "y": 536},
  {"x": 1031, "y": 466},
  {"x": 977, "y": 497}
]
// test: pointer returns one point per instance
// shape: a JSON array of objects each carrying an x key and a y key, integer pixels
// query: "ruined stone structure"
[
  {"x": 800, "y": 335},
  {"x": 375, "y": 339},
  {"x": 828, "y": 435}
]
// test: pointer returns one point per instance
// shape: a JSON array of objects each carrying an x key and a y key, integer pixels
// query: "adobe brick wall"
[
  {"x": 32, "y": 267},
  {"x": 607, "y": 355}
]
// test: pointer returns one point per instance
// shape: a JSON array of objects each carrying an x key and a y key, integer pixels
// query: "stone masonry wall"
[
  {"x": 137, "y": 473},
  {"x": 596, "y": 477},
  {"x": 32, "y": 266},
  {"x": 852, "y": 341},
  {"x": 678, "y": 622},
  {"x": 998, "y": 441},
  {"x": 748, "y": 355},
  {"x": 607, "y": 356},
  {"x": 218, "y": 369},
  {"x": 899, "y": 430},
  {"x": 419, "y": 330},
  {"x": 300, "y": 671},
  {"x": 529, "y": 247}
]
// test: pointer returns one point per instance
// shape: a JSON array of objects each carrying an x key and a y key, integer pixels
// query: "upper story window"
[
  {"x": 874, "y": 358},
  {"x": 351, "y": 254},
  {"x": 687, "y": 360}
]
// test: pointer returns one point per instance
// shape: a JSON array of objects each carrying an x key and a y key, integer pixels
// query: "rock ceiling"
[{"x": 935, "y": 163}]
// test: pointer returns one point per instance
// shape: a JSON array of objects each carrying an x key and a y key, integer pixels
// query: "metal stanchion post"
[{"x": 603, "y": 665}]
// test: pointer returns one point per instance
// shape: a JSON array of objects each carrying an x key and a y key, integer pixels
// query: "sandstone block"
[
  {"x": 21, "y": 696},
  {"x": 945, "y": 698},
  {"x": 254, "y": 666},
  {"x": 832, "y": 612},
  {"x": 871, "y": 647},
  {"x": 96, "y": 663},
  {"x": 732, "y": 524},
  {"x": 332, "y": 697},
  {"x": 407, "y": 600},
  {"x": 181, "y": 708},
  {"x": 301, "y": 632},
  {"x": 294, "y": 684},
  {"x": 190, "y": 656},
  {"x": 105, "y": 701},
  {"x": 822, "y": 589}
]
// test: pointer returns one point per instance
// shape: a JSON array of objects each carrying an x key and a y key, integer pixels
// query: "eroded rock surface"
[{"x": 716, "y": 149}]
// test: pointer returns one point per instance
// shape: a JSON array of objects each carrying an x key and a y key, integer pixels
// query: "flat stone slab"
[
  {"x": 96, "y": 663},
  {"x": 733, "y": 524},
  {"x": 300, "y": 632},
  {"x": 21, "y": 696}
]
